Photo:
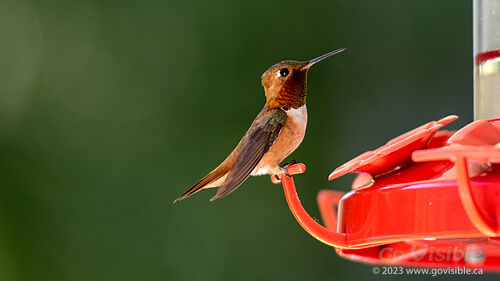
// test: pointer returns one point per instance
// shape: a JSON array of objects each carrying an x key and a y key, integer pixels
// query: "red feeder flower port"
[{"x": 427, "y": 198}]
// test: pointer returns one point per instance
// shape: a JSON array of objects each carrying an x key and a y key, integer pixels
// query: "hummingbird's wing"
[{"x": 262, "y": 135}]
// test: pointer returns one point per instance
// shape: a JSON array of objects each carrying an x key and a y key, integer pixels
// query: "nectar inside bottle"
[{"x": 487, "y": 86}]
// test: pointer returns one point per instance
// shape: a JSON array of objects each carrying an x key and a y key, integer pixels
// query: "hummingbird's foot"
[
  {"x": 285, "y": 166},
  {"x": 283, "y": 169}
]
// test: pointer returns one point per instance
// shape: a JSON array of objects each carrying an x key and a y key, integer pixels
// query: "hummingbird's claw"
[{"x": 285, "y": 166}]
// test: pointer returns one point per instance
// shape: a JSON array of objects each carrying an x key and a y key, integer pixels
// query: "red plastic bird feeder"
[{"x": 427, "y": 198}]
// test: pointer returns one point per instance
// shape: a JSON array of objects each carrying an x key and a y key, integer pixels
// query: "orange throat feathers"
[{"x": 292, "y": 94}]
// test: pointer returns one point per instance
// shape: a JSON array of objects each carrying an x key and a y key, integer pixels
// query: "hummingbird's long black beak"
[{"x": 320, "y": 58}]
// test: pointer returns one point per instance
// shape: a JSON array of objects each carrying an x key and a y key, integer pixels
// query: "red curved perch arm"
[{"x": 323, "y": 234}]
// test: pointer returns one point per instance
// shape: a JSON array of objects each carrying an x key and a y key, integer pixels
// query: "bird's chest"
[
  {"x": 295, "y": 125},
  {"x": 292, "y": 133}
]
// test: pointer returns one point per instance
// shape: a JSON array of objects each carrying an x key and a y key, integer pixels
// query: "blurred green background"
[{"x": 110, "y": 109}]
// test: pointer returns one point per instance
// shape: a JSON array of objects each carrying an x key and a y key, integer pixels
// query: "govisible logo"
[{"x": 472, "y": 254}]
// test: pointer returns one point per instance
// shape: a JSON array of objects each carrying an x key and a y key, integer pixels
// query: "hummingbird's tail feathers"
[{"x": 209, "y": 180}]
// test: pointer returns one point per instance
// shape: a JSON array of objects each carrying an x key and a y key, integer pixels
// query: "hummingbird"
[{"x": 276, "y": 132}]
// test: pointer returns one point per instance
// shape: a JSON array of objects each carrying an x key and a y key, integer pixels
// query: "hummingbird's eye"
[{"x": 284, "y": 72}]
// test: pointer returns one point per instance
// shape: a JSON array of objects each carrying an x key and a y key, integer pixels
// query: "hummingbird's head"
[{"x": 285, "y": 82}]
